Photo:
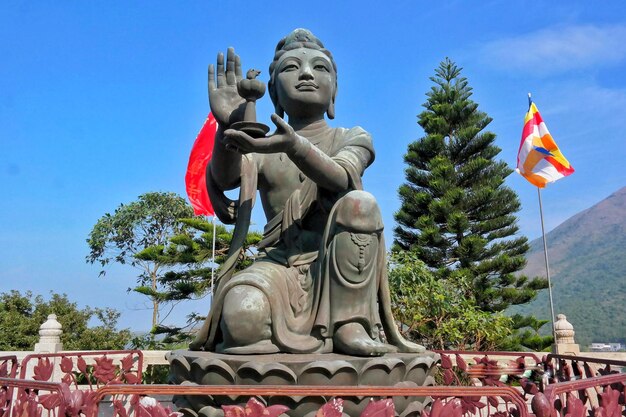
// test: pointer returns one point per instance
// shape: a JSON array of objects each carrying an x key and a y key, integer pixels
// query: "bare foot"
[{"x": 352, "y": 339}]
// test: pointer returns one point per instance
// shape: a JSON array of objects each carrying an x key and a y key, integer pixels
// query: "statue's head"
[{"x": 303, "y": 76}]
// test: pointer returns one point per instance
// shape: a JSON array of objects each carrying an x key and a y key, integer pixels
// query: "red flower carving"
[
  {"x": 528, "y": 386},
  {"x": 43, "y": 370},
  {"x": 75, "y": 403},
  {"x": 27, "y": 404},
  {"x": 67, "y": 379},
  {"x": 127, "y": 363},
  {"x": 610, "y": 403},
  {"x": 233, "y": 411},
  {"x": 89, "y": 407},
  {"x": 471, "y": 404},
  {"x": 460, "y": 362},
  {"x": 132, "y": 378},
  {"x": 82, "y": 365},
  {"x": 493, "y": 401},
  {"x": 119, "y": 409},
  {"x": 452, "y": 408},
  {"x": 381, "y": 408},
  {"x": 333, "y": 408},
  {"x": 50, "y": 401},
  {"x": 575, "y": 407},
  {"x": 254, "y": 408},
  {"x": 67, "y": 364},
  {"x": 446, "y": 362},
  {"x": 104, "y": 370},
  {"x": 149, "y": 407}
]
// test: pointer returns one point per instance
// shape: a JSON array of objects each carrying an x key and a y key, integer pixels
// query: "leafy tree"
[
  {"x": 148, "y": 222},
  {"x": 437, "y": 312},
  {"x": 528, "y": 334},
  {"x": 188, "y": 257},
  {"x": 21, "y": 315},
  {"x": 457, "y": 215}
]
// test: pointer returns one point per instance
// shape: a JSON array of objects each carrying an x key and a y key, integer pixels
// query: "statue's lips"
[{"x": 307, "y": 86}]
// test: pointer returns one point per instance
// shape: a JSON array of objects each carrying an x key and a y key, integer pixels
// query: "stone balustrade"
[{"x": 51, "y": 330}]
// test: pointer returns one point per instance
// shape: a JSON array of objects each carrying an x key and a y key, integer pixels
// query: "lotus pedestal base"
[{"x": 206, "y": 368}]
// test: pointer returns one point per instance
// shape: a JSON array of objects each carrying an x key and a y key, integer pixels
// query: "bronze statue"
[{"x": 319, "y": 283}]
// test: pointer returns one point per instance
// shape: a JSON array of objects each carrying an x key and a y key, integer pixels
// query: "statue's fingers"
[
  {"x": 238, "y": 74},
  {"x": 240, "y": 139},
  {"x": 233, "y": 136},
  {"x": 230, "y": 66},
  {"x": 229, "y": 140},
  {"x": 244, "y": 139},
  {"x": 231, "y": 147},
  {"x": 281, "y": 124},
  {"x": 211, "y": 77},
  {"x": 220, "y": 70}
]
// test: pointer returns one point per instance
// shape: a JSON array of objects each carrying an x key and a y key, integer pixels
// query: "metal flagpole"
[
  {"x": 545, "y": 255},
  {"x": 213, "y": 261}
]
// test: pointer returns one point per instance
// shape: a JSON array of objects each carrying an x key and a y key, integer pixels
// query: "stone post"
[
  {"x": 50, "y": 336},
  {"x": 564, "y": 343}
]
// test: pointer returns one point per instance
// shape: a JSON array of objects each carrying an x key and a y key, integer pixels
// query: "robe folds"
[{"x": 310, "y": 293}]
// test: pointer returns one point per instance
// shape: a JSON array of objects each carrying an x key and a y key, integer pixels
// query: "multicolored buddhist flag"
[
  {"x": 539, "y": 160},
  {"x": 195, "y": 179}
]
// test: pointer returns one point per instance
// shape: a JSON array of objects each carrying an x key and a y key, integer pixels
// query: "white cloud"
[
  {"x": 559, "y": 49},
  {"x": 589, "y": 100}
]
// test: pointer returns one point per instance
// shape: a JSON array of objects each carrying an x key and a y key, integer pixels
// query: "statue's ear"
[
  {"x": 277, "y": 108},
  {"x": 331, "y": 107}
]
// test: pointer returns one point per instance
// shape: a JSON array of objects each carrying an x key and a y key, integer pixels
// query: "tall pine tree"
[{"x": 457, "y": 214}]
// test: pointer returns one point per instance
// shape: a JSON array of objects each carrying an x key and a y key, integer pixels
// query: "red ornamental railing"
[
  {"x": 78, "y": 376},
  {"x": 8, "y": 369},
  {"x": 94, "y": 366},
  {"x": 524, "y": 385}
]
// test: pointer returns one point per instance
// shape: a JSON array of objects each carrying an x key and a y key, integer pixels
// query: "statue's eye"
[
  {"x": 321, "y": 67},
  {"x": 289, "y": 67}
]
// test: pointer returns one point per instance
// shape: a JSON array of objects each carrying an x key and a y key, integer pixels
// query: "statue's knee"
[
  {"x": 246, "y": 315},
  {"x": 358, "y": 211}
]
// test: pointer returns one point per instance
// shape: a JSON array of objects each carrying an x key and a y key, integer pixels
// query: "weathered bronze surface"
[
  {"x": 319, "y": 283},
  {"x": 324, "y": 370}
]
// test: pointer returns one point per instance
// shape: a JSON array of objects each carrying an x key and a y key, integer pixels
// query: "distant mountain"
[{"x": 587, "y": 256}]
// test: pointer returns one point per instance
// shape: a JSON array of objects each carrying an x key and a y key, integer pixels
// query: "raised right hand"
[{"x": 227, "y": 105}]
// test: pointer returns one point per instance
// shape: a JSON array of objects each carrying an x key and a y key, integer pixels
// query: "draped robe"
[{"x": 296, "y": 266}]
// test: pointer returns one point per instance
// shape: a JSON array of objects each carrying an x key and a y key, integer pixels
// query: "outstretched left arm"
[{"x": 314, "y": 163}]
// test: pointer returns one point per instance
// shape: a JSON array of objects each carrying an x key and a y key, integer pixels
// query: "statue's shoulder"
[
  {"x": 353, "y": 131},
  {"x": 355, "y": 136}
]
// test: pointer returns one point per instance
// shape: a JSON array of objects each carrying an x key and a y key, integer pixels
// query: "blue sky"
[{"x": 101, "y": 101}]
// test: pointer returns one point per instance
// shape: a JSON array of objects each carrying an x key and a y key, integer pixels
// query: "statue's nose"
[{"x": 306, "y": 73}]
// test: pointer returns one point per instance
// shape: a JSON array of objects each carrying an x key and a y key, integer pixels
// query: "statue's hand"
[
  {"x": 227, "y": 105},
  {"x": 285, "y": 139}
]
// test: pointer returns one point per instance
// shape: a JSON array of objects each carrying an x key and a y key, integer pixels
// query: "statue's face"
[{"x": 305, "y": 82}]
